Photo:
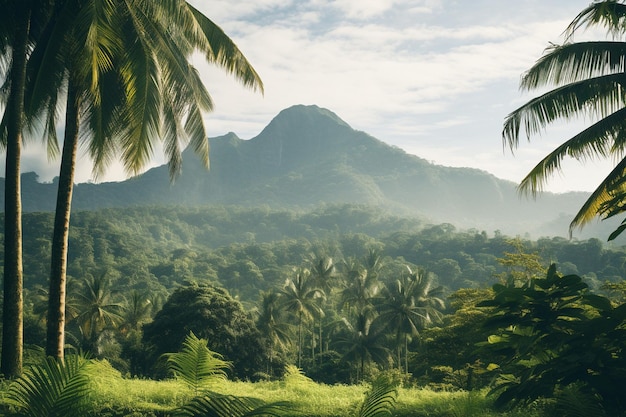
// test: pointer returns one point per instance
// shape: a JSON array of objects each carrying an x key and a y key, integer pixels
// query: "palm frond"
[
  {"x": 55, "y": 387},
  {"x": 572, "y": 62},
  {"x": 220, "y": 49},
  {"x": 606, "y": 198},
  {"x": 380, "y": 399},
  {"x": 596, "y": 98},
  {"x": 609, "y": 14},
  {"x": 604, "y": 138}
]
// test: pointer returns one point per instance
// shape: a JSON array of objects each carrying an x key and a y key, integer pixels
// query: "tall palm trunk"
[
  {"x": 56, "y": 304},
  {"x": 299, "y": 340},
  {"x": 12, "y": 319}
]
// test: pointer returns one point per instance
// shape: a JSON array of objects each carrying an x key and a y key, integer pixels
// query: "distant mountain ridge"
[{"x": 307, "y": 156}]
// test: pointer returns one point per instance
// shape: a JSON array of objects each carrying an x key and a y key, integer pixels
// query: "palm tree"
[
  {"x": 411, "y": 304},
  {"x": 127, "y": 72},
  {"x": 588, "y": 80},
  {"x": 361, "y": 290},
  {"x": 136, "y": 311},
  {"x": 20, "y": 24},
  {"x": 363, "y": 343},
  {"x": 271, "y": 324},
  {"x": 322, "y": 271},
  {"x": 301, "y": 298},
  {"x": 97, "y": 311}
]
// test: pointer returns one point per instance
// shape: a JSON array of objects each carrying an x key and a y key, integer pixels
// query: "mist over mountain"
[{"x": 308, "y": 156}]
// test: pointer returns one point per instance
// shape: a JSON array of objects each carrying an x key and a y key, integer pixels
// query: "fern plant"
[
  {"x": 53, "y": 388},
  {"x": 218, "y": 405},
  {"x": 380, "y": 399},
  {"x": 196, "y": 365}
]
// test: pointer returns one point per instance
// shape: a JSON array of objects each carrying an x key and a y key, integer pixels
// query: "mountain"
[{"x": 308, "y": 156}]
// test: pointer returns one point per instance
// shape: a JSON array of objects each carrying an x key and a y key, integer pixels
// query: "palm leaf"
[
  {"x": 609, "y": 14},
  {"x": 572, "y": 62},
  {"x": 219, "y": 405},
  {"x": 603, "y": 196},
  {"x": 53, "y": 388},
  {"x": 603, "y": 138},
  {"x": 380, "y": 399},
  {"x": 196, "y": 365}
]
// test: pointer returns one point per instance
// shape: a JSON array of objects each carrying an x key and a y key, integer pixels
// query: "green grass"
[{"x": 115, "y": 396}]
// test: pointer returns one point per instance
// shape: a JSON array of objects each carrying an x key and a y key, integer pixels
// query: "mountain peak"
[{"x": 301, "y": 117}]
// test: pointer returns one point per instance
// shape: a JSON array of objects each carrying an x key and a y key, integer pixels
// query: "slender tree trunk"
[
  {"x": 300, "y": 340},
  {"x": 320, "y": 339},
  {"x": 406, "y": 354},
  {"x": 12, "y": 319},
  {"x": 56, "y": 304}
]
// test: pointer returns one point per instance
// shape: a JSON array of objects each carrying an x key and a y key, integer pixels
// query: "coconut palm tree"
[
  {"x": 97, "y": 311},
  {"x": 272, "y": 325},
  {"x": 125, "y": 68},
  {"x": 362, "y": 343},
  {"x": 21, "y": 23},
  {"x": 301, "y": 297},
  {"x": 137, "y": 308},
  {"x": 360, "y": 291},
  {"x": 411, "y": 304},
  {"x": 588, "y": 80},
  {"x": 322, "y": 272}
]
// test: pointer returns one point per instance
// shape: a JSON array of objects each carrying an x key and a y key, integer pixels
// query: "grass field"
[{"x": 116, "y": 396}]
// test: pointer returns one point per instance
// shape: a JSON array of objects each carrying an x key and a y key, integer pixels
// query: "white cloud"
[{"x": 432, "y": 76}]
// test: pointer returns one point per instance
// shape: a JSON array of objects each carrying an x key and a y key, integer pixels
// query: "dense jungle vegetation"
[{"x": 343, "y": 292}]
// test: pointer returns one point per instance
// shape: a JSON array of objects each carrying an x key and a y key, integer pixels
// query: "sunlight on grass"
[{"x": 121, "y": 396}]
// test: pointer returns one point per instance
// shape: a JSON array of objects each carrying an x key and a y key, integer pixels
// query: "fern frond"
[
  {"x": 219, "y": 405},
  {"x": 53, "y": 388},
  {"x": 380, "y": 399},
  {"x": 196, "y": 365}
]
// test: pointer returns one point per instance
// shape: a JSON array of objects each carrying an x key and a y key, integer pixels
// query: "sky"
[{"x": 433, "y": 77}]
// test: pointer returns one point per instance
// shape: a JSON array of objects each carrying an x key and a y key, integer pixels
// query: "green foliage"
[
  {"x": 212, "y": 314},
  {"x": 572, "y": 402},
  {"x": 380, "y": 399},
  {"x": 553, "y": 333},
  {"x": 196, "y": 365},
  {"x": 54, "y": 388}
]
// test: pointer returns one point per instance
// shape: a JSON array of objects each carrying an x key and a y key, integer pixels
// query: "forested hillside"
[
  {"x": 248, "y": 250},
  {"x": 308, "y": 156}
]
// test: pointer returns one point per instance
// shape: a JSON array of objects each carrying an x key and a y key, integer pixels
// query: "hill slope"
[{"x": 308, "y": 156}]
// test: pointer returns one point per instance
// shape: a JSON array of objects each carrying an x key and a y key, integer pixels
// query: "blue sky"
[{"x": 434, "y": 77}]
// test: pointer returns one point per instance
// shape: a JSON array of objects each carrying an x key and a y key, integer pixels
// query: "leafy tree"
[
  {"x": 556, "y": 335},
  {"x": 212, "y": 314},
  {"x": 451, "y": 344},
  {"x": 520, "y": 266},
  {"x": 587, "y": 80}
]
